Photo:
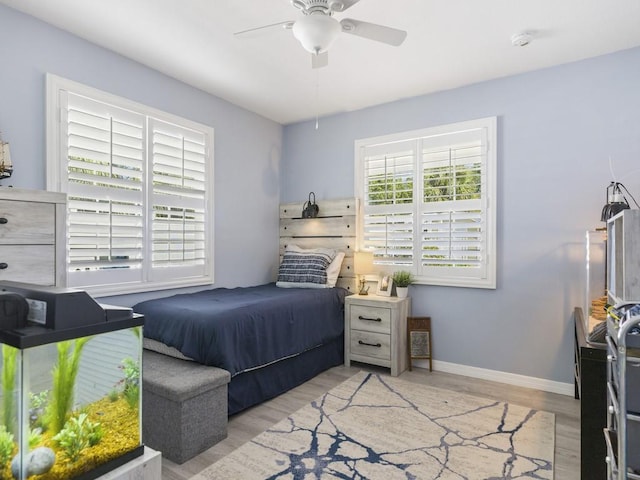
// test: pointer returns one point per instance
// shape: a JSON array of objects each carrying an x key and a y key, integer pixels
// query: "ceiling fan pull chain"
[{"x": 317, "y": 95}]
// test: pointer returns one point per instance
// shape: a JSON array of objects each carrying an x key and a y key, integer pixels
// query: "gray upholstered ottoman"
[{"x": 184, "y": 406}]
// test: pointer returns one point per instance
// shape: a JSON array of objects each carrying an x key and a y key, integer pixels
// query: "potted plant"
[{"x": 401, "y": 280}]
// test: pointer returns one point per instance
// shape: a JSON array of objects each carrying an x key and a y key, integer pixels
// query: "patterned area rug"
[{"x": 383, "y": 428}]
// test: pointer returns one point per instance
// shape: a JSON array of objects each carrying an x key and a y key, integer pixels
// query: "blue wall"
[
  {"x": 247, "y": 146},
  {"x": 557, "y": 129}
]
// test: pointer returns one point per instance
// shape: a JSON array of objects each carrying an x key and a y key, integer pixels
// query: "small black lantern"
[{"x": 310, "y": 209}]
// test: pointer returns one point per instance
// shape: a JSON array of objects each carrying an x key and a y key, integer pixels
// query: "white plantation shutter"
[
  {"x": 139, "y": 185},
  {"x": 453, "y": 212},
  {"x": 452, "y": 238},
  {"x": 105, "y": 195},
  {"x": 178, "y": 199},
  {"x": 429, "y": 202},
  {"x": 388, "y": 228}
]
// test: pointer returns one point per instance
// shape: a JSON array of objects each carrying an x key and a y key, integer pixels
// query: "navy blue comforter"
[{"x": 241, "y": 329}]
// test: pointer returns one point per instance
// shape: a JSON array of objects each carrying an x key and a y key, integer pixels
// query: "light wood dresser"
[
  {"x": 376, "y": 331},
  {"x": 32, "y": 236}
]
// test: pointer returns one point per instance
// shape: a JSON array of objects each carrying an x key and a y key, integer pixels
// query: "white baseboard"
[{"x": 502, "y": 377}]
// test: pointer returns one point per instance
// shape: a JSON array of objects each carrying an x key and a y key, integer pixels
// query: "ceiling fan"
[{"x": 317, "y": 28}]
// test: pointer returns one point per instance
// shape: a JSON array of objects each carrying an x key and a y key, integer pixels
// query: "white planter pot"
[{"x": 402, "y": 291}]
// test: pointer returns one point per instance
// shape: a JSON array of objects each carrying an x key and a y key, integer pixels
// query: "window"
[
  {"x": 429, "y": 202},
  {"x": 139, "y": 191}
]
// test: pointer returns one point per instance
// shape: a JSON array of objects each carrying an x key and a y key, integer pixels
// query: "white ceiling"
[{"x": 450, "y": 43}]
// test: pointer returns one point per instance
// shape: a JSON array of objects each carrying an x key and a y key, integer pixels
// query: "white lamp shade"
[
  {"x": 363, "y": 263},
  {"x": 316, "y": 33}
]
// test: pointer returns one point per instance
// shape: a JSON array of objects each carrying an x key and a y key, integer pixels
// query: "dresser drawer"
[
  {"x": 28, "y": 263},
  {"x": 371, "y": 319},
  {"x": 27, "y": 222},
  {"x": 375, "y": 345}
]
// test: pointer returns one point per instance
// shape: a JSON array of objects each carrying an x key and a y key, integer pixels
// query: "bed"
[
  {"x": 269, "y": 338},
  {"x": 255, "y": 333}
]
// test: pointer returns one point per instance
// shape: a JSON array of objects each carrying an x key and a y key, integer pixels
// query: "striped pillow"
[{"x": 304, "y": 269}]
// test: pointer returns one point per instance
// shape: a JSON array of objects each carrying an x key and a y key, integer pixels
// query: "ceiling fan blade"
[
  {"x": 341, "y": 5},
  {"x": 372, "y": 31},
  {"x": 320, "y": 60},
  {"x": 285, "y": 25}
]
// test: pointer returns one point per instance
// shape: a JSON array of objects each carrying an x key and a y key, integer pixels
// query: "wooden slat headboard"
[{"x": 334, "y": 227}]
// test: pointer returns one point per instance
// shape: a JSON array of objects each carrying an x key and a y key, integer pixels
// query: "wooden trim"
[
  {"x": 343, "y": 244},
  {"x": 318, "y": 227},
  {"x": 24, "y": 195},
  {"x": 328, "y": 208}
]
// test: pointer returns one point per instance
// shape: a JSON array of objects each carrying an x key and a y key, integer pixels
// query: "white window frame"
[
  {"x": 114, "y": 282},
  {"x": 482, "y": 276}
]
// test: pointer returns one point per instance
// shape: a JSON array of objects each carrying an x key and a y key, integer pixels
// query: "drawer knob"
[
  {"x": 360, "y": 317},
  {"x": 3, "y": 265},
  {"x": 360, "y": 342},
  {"x": 3, "y": 220}
]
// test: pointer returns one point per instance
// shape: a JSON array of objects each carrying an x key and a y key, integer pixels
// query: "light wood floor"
[{"x": 246, "y": 425}]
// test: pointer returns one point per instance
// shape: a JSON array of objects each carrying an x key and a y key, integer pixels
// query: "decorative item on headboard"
[
  {"x": 334, "y": 228},
  {"x": 6, "y": 168},
  {"x": 310, "y": 209}
]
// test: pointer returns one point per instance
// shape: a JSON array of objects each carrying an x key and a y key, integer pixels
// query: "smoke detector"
[{"x": 521, "y": 39}]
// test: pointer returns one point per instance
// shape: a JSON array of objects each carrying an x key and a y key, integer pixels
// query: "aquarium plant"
[
  {"x": 9, "y": 356},
  {"x": 137, "y": 331},
  {"x": 6, "y": 445},
  {"x": 64, "y": 378},
  {"x": 35, "y": 437},
  {"x": 37, "y": 406},
  {"x": 78, "y": 433},
  {"x": 131, "y": 388},
  {"x": 113, "y": 395}
]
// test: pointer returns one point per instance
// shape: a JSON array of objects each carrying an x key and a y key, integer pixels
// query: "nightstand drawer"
[
  {"x": 371, "y": 319},
  {"x": 370, "y": 344}
]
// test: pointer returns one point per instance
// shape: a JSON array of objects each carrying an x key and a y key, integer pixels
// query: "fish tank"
[
  {"x": 595, "y": 283},
  {"x": 70, "y": 400}
]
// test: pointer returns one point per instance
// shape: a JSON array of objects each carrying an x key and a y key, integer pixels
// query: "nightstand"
[{"x": 375, "y": 331}]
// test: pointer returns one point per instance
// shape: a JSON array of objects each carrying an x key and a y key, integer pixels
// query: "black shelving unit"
[
  {"x": 591, "y": 389},
  {"x": 622, "y": 434}
]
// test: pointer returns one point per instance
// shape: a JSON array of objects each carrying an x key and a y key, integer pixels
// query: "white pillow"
[{"x": 333, "y": 270}]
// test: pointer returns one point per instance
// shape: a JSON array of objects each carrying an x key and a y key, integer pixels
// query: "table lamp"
[{"x": 363, "y": 265}]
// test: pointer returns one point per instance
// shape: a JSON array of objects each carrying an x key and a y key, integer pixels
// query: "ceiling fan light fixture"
[{"x": 316, "y": 33}]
